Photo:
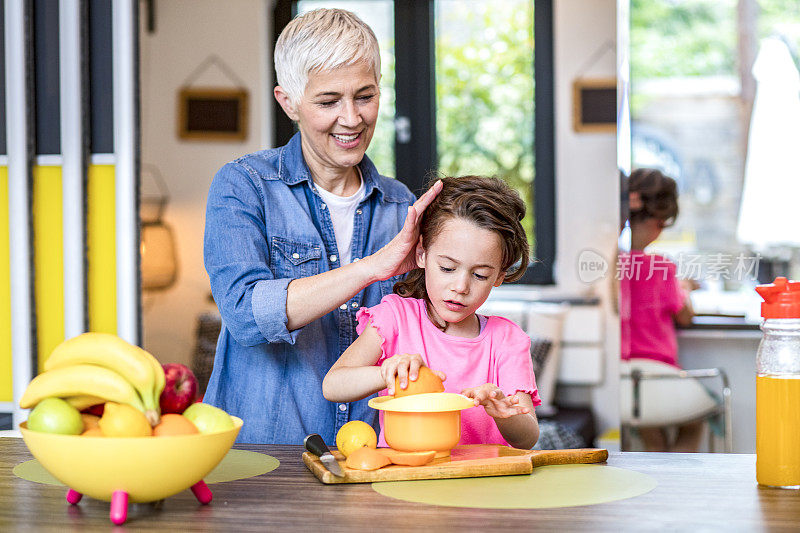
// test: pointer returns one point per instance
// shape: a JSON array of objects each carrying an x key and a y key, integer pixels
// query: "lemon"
[
  {"x": 354, "y": 435},
  {"x": 123, "y": 420}
]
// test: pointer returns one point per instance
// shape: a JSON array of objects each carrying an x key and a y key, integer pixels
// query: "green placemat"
[
  {"x": 237, "y": 464},
  {"x": 547, "y": 486}
]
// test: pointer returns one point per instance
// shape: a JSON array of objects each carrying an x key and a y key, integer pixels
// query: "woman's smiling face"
[
  {"x": 462, "y": 264},
  {"x": 337, "y": 116}
]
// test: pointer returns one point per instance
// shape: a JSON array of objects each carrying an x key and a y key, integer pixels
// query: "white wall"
[
  {"x": 187, "y": 32},
  {"x": 587, "y": 183}
]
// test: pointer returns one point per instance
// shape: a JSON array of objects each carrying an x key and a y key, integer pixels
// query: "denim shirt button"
[
  {"x": 333, "y": 258},
  {"x": 343, "y": 307},
  {"x": 342, "y": 407},
  {"x": 355, "y": 259},
  {"x": 296, "y": 255},
  {"x": 358, "y": 211},
  {"x": 324, "y": 206},
  {"x": 354, "y": 305}
]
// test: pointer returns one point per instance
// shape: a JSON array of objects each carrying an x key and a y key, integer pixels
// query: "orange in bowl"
[
  {"x": 89, "y": 421},
  {"x": 174, "y": 424}
]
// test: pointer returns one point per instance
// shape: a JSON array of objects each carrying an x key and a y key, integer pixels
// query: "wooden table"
[{"x": 695, "y": 491}]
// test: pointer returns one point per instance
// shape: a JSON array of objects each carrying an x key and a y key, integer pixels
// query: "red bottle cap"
[{"x": 781, "y": 299}]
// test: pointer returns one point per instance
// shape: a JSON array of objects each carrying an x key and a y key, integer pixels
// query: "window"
[
  {"x": 379, "y": 15},
  {"x": 485, "y": 126},
  {"x": 460, "y": 86},
  {"x": 693, "y": 116}
]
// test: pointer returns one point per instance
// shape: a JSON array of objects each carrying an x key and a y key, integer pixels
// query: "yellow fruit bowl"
[{"x": 145, "y": 469}]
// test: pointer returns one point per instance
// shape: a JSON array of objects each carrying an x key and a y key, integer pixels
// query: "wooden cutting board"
[{"x": 474, "y": 460}]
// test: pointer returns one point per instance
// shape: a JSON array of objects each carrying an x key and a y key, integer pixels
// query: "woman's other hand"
[
  {"x": 398, "y": 256},
  {"x": 404, "y": 366},
  {"x": 497, "y": 404}
]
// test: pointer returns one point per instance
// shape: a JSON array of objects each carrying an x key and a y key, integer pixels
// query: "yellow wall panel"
[
  {"x": 102, "y": 249},
  {"x": 6, "y": 387},
  {"x": 48, "y": 259}
]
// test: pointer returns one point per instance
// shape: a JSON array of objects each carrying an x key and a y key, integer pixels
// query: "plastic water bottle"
[{"x": 778, "y": 386}]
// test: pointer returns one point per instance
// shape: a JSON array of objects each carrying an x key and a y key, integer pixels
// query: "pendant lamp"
[{"x": 159, "y": 262}]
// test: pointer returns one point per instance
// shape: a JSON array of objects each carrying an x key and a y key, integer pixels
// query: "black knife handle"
[{"x": 316, "y": 445}]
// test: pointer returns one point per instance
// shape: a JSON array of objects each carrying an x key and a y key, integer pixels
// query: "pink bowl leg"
[
  {"x": 202, "y": 492},
  {"x": 119, "y": 507},
  {"x": 73, "y": 496}
]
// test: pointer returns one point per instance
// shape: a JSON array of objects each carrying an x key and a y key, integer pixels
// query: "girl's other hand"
[
  {"x": 497, "y": 404},
  {"x": 404, "y": 366}
]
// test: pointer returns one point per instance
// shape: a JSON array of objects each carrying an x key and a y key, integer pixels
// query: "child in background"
[
  {"x": 658, "y": 301},
  {"x": 470, "y": 239}
]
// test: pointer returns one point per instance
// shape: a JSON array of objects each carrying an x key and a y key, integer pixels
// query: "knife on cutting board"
[{"x": 314, "y": 444}]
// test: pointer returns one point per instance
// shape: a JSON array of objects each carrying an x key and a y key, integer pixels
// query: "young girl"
[
  {"x": 470, "y": 240},
  {"x": 657, "y": 302}
]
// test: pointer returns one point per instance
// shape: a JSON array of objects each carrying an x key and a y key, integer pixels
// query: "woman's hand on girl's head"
[
  {"x": 399, "y": 255},
  {"x": 496, "y": 404}
]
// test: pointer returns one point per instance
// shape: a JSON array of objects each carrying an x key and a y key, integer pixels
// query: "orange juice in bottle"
[
  {"x": 778, "y": 386},
  {"x": 778, "y": 430}
]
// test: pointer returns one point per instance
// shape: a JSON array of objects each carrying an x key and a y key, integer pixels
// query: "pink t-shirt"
[
  {"x": 651, "y": 296},
  {"x": 500, "y": 354}
]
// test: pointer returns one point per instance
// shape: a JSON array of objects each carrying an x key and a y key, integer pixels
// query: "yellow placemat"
[
  {"x": 547, "y": 486},
  {"x": 241, "y": 464},
  {"x": 237, "y": 464}
]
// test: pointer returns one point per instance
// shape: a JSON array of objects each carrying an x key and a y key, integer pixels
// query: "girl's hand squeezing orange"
[
  {"x": 405, "y": 366},
  {"x": 497, "y": 404}
]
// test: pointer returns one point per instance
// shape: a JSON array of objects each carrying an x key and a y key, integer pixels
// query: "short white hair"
[{"x": 322, "y": 40}]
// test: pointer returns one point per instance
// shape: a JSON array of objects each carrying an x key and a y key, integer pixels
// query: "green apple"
[
  {"x": 207, "y": 418},
  {"x": 54, "y": 415}
]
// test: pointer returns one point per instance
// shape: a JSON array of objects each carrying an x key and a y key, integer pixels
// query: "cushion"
[{"x": 663, "y": 402}]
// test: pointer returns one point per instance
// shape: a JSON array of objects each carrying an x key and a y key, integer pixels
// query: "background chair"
[{"x": 658, "y": 397}]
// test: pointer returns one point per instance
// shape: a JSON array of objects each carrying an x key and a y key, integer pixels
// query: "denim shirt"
[{"x": 266, "y": 225}]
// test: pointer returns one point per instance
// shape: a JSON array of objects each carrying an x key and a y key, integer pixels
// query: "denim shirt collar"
[{"x": 293, "y": 169}]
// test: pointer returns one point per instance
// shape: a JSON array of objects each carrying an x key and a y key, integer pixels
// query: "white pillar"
[
  {"x": 19, "y": 190},
  {"x": 72, "y": 169},
  {"x": 125, "y": 130}
]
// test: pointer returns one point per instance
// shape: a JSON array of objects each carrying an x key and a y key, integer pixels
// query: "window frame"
[{"x": 415, "y": 98}]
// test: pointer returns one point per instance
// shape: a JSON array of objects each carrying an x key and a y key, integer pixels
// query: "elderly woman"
[{"x": 299, "y": 237}]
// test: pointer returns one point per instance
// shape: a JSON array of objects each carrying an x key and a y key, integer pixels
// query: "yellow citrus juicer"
[{"x": 421, "y": 422}]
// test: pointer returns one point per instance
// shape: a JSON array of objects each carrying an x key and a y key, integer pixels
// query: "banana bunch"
[{"x": 95, "y": 368}]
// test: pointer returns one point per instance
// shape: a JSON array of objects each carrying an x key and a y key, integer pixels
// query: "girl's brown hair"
[
  {"x": 658, "y": 194},
  {"x": 486, "y": 202}
]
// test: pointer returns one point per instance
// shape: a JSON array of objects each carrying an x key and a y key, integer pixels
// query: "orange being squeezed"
[{"x": 778, "y": 430}]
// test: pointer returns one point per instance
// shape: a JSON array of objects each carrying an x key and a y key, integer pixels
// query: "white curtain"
[{"x": 771, "y": 195}]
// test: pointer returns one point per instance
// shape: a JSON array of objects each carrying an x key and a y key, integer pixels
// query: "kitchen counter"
[{"x": 695, "y": 491}]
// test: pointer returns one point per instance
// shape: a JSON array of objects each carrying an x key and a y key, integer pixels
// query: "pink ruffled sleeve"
[
  {"x": 514, "y": 364},
  {"x": 384, "y": 319}
]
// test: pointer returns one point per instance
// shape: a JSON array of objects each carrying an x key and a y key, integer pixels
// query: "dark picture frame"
[
  {"x": 210, "y": 114},
  {"x": 594, "y": 105}
]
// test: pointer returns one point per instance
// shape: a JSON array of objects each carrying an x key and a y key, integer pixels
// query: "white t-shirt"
[{"x": 343, "y": 210}]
